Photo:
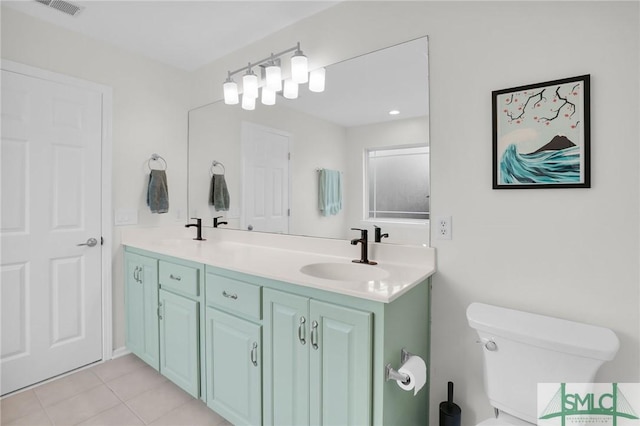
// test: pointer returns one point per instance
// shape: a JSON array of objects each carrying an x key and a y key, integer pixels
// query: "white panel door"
[
  {"x": 51, "y": 202},
  {"x": 265, "y": 179}
]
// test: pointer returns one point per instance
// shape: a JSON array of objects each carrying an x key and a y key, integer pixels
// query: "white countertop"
[{"x": 280, "y": 257}]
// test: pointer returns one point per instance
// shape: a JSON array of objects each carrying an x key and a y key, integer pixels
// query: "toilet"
[{"x": 522, "y": 349}]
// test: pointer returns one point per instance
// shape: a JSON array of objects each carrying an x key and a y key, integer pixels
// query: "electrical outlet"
[{"x": 443, "y": 228}]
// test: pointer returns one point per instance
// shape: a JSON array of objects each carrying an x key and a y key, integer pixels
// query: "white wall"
[
  {"x": 571, "y": 253},
  {"x": 411, "y": 131},
  {"x": 149, "y": 116}
]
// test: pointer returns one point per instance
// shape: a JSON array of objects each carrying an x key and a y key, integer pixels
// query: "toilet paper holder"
[{"x": 393, "y": 374}]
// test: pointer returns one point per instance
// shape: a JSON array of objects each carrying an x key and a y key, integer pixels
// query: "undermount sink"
[{"x": 344, "y": 271}]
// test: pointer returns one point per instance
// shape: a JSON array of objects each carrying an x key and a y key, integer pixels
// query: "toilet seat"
[{"x": 504, "y": 419}]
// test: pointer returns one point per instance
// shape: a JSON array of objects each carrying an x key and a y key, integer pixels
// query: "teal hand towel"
[
  {"x": 219, "y": 194},
  {"x": 329, "y": 192},
  {"x": 158, "y": 192}
]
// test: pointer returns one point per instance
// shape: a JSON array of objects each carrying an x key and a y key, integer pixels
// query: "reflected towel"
[
  {"x": 219, "y": 194},
  {"x": 329, "y": 192},
  {"x": 158, "y": 192}
]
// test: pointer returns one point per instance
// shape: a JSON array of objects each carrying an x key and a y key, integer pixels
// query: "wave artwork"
[{"x": 546, "y": 167}]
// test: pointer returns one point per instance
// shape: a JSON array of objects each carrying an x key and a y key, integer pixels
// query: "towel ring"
[
  {"x": 158, "y": 158},
  {"x": 214, "y": 164}
]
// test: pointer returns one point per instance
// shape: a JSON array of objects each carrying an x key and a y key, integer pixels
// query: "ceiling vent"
[{"x": 62, "y": 6}]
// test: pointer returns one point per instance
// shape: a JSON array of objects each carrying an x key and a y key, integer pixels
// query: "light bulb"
[
  {"x": 316, "y": 80},
  {"x": 248, "y": 102},
  {"x": 273, "y": 77},
  {"x": 230, "y": 89},
  {"x": 268, "y": 96},
  {"x": 250, "y": 85},
  {"x": 290, "y": 89},
  {"x": 299, "y": 68}
]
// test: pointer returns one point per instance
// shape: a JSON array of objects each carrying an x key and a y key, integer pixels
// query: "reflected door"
[
  {"x": 51, "y": 203},
  {"x": 265, "y": 179}
]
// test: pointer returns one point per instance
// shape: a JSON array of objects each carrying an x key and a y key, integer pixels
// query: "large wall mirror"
[{"x": 274, "y": 158}]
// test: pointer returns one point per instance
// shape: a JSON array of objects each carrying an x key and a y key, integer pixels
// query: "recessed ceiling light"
[{"x": 394, "y": 112}]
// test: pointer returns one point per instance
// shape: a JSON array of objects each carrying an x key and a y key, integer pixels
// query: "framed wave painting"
[{"x": 541, "y": 135}]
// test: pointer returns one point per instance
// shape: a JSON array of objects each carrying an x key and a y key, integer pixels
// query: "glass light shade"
[
  {"x": 299, "y": 68},
  {"x": 273, "y": 77},
  {"x": 249, "y": 85},
  {"x": 248, "y": 102},
  {"x": 230, "y": 89},
  {"x": 316, "y": 80},
  {"x": 290, "y": 89},
  {"x": 268, "y": 96}
]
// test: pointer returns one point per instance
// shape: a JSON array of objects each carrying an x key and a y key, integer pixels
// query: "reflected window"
[{"x": 398, "y": 183}]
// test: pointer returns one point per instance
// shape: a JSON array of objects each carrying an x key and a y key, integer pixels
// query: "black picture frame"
[{"x": 542, "y": 135}]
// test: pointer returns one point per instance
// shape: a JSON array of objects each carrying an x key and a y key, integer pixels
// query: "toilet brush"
[{"x": 450, "y": 413}]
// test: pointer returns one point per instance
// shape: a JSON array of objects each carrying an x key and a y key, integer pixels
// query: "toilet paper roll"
[{"x": 416, "y": 369}]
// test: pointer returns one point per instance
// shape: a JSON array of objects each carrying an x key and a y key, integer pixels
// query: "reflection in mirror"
[{"x": 282, "y": 164}]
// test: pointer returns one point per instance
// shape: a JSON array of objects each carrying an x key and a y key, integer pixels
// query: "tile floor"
[{"x": 121, "y": 392}]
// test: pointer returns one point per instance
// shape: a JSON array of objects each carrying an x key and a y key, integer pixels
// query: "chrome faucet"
[
  {"x": 216, "y": 222},
  {"x": 364, "y": 248},
  {"x": 378, "y": 234},
  {"x": 198, "y": 225}
]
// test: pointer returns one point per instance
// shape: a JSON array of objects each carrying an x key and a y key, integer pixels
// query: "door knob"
[
  {"x": 90, "y": 242},
  {"x": 250, "y": 227}
]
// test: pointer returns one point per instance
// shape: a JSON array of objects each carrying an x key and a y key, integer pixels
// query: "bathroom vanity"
[{"x": 270, "y": 329}]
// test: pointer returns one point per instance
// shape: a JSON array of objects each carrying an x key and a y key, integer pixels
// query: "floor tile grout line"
[
  {"x": 171, "y": 411},
  {"x": 44, "y": 409},
  {"x": 100, "y": 412}
]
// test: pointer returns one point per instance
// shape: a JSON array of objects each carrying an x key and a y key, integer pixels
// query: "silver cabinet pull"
[
  {"x": 90, "y": 242},
  {"x": 229, "y": 295},
  {"x": 175, "y": 277},
  {"x": 136, "y": 274},
  {"x": 301, "y": 333},
  {"x": 254, "y": 354},
  {"x": 314, "y": 334},
  {"x": 160, "y": 313}
]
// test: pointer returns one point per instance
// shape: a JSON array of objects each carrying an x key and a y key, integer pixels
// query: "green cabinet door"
[
  {"x": 340, "y": 365},
  {"x": 234, "y": 368},
  {"x": 141, "y": 308},
  {"x": 179, "y": 349},
  {"x": 286, "y": 358}
]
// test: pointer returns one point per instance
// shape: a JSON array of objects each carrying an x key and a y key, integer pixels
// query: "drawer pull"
[
  {"x": 229, "y": 295},
  {"x": 175, "y": 277},
  {"x": 314, "y": 335},
  {"x": 254, "y": 354},
  {"x": 301, "y": 329}
]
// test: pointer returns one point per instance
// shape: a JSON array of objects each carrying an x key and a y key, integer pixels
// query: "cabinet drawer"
[
  {"x": 180, "y": 278},
  {"x": 234, "y": 295}
]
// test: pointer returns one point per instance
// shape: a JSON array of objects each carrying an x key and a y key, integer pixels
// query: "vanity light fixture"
[
  {"x": 290, "y": 89},
  {"x": 269, "y": 80},
  {"x": 299, "y": 67},
  {"x": 316, "y": 80},
  {"x": 230, "y": 88},
  {"x": 273, "y": 75},
  {"x": 250, "y": 84}
]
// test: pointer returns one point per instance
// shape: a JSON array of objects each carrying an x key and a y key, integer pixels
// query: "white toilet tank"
[{"x": 528, "y": 349}]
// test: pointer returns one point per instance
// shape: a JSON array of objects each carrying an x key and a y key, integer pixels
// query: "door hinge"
[
  {"x": 101, "y": 241},
  {"x": 289, "y": 212},
  {"x": 288, "y": 156}
]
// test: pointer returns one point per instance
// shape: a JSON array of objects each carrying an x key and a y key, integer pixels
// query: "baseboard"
[{"x": 121, "y": 351}]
